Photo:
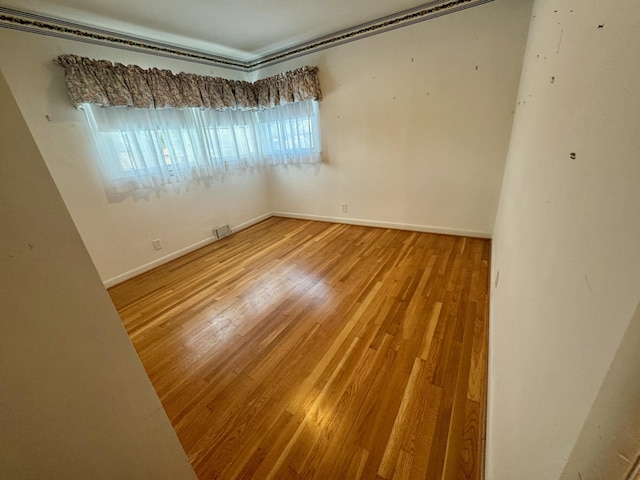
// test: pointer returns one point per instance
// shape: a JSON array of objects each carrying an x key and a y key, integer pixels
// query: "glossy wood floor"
[{"x": 309, "y": 350}]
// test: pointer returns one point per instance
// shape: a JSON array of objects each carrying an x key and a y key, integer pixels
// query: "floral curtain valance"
[{"x": 110, "y": 84}]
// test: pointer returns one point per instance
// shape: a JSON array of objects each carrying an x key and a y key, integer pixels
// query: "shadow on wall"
[
  {"x": 609, "y": 444},
  {"x": 145, "y": 194}
]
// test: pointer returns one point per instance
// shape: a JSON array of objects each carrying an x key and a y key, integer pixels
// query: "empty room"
[{"x": 320, "y": 240}]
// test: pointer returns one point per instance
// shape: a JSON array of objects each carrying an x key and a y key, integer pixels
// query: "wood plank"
[{"x": 301, "y": 349}]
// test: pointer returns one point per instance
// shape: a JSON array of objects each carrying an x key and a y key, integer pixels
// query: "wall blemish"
[
  {"x": 586, "y": 279},
  {"x": 634, "y": 473},
  {"x": 624, "y": 458},
  {"x": 560, "y": 41}
]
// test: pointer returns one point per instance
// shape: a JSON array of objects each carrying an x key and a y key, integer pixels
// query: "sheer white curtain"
[
  {"x": 233, "y": 136},
  {"x": 291, "y": 133},
  {"x": 147, "y": 148}
]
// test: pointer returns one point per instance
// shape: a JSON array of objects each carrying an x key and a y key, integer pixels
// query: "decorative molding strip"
[
  {"x": 405, "y": 18},
  {"x": 33, "y": 23}
]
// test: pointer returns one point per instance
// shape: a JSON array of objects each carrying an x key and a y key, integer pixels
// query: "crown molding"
[
  {"x": 405, "y": 18},
  {"x": 53, "y": 27}
]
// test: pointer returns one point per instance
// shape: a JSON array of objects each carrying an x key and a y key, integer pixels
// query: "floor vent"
[{"x": 222, "y": 231}]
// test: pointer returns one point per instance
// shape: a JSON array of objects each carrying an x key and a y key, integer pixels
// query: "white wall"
[
  {"x": 567, "y": 239},
  {"x": 609, "y": 443},
  {"x": 118, "y": 235},
  {"x": 414, "y": 136},
  {"x": 413, "y": 133},
  {"x": 75, "y": 402}
]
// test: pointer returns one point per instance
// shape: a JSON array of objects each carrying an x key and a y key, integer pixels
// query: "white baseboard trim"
[
  {"x": 320, "y": 218},
  {"x": 250, "y": 223},
  {"x": 178, "y": 253},
  {"x": 393, "y": 225}
]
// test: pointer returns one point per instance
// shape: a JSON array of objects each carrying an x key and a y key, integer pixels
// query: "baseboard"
[
  {"x": 178, "y": 253},
  {"x": 253, "y": 221},
  {"x": 396, "y": 226},
  {"x": 320, "y": 218}
]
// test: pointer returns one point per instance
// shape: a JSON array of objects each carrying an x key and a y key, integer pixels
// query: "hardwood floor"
[{"x": 298, "y": 349}]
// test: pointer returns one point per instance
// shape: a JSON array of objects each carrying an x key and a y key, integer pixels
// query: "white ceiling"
[{"x": 240, "y": 29}]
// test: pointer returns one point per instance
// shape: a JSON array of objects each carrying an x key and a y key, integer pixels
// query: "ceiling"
[{"x": 241, "y": 30}]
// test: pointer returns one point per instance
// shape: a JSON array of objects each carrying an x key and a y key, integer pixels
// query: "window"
[
  {"x": 145, "y": 148},
  {"x": 290, "y": 134}
]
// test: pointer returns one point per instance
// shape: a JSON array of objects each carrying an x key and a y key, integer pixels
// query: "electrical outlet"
[
  {"x": 156, "y": 244},
  {"x": 345, "y": 208}
]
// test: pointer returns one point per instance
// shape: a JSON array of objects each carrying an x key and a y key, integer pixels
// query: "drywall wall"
[
  {"x": 416, "y": 123},
  {"x": 75, "y": 400},
  {"x": 609, "y": 444},
  {"x": 566, "y": 261},
  {"x": 118, "y": 235}
]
